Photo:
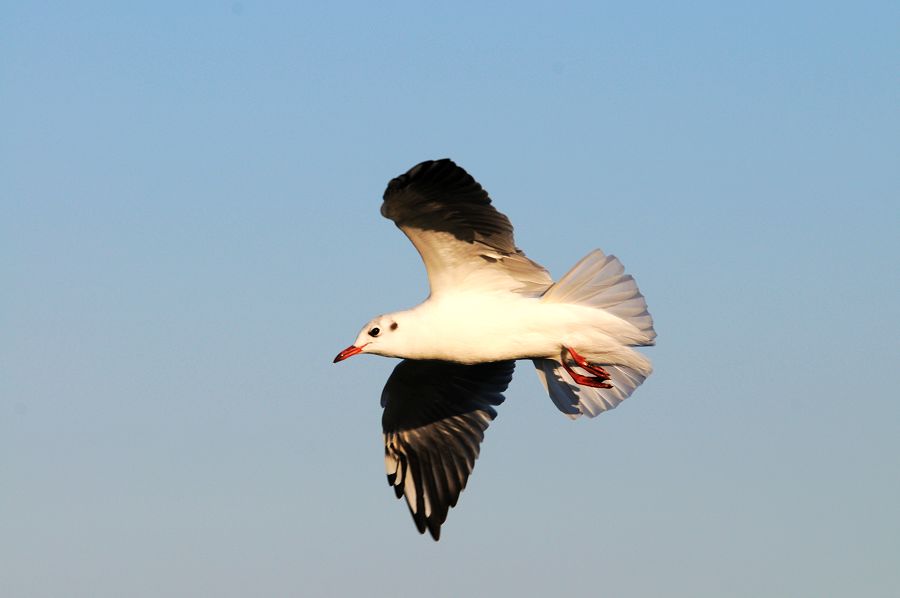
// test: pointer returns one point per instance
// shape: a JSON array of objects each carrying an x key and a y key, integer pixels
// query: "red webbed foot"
[{"x": 598, "y": 376}]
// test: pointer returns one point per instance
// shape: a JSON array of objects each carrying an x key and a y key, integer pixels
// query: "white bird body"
[
  {"x": 472, "y": 326},
  {"x": 489, "y": 306}
]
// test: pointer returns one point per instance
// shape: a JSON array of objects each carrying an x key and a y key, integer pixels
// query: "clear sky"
[{"x": 189, "y": 232}]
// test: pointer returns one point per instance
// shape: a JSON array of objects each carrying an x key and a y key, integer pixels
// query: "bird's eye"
[{"x": 375, "y": 331}]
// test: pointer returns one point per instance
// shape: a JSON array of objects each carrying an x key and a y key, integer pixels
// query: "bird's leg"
[
  {"x": 598, "y": 377},
  {"x": 591, "y": 368},
  {"x": 593, "y": 381}
]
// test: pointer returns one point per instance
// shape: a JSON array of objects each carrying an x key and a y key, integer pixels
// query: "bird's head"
[{"x": 379, "y": 336}]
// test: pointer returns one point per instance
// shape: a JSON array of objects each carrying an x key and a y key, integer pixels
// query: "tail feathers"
[
  {"x": 599, "y": 280},
  {"x": 575, "y": 400}
]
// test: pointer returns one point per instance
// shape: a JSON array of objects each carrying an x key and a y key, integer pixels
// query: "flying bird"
[{"x": 489, "y": 306}]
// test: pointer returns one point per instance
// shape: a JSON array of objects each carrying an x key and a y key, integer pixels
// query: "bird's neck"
[{"x": 417, "y": 330}]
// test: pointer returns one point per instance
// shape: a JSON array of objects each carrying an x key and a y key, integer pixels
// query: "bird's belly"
[{"x": 484, "y": 332}]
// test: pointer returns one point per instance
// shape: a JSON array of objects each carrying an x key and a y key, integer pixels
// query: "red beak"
[{"x": 348, "y": 352}]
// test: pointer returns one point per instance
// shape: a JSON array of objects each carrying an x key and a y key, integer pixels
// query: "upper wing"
[
  {"x": 435, "y": 415},
  {"x": 462, "y": 239}
]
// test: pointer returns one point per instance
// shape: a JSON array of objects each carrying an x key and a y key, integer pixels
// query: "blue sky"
[{"x": 189, "y": 232}]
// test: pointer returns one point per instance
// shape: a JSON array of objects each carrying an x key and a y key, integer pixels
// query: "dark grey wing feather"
[
  {"x": 435, "y": 415},
  {"x": 449, "y": 218},
  {"x": 440, "y": 196}
]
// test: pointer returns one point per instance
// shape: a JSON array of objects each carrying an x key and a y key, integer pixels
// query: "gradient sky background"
[{"x": 189, "y": 232}]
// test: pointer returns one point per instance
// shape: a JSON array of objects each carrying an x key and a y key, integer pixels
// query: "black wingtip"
[
  {"x": 435, "y": 531},
  {"x": 418, "y": 170},
  {"x": 443, "y": 174}
]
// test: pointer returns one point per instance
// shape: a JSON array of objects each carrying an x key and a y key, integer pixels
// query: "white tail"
[{"x": 599, "y": 280}]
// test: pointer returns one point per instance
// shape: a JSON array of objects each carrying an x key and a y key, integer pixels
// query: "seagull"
[{"x": 488, "y": 306}]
